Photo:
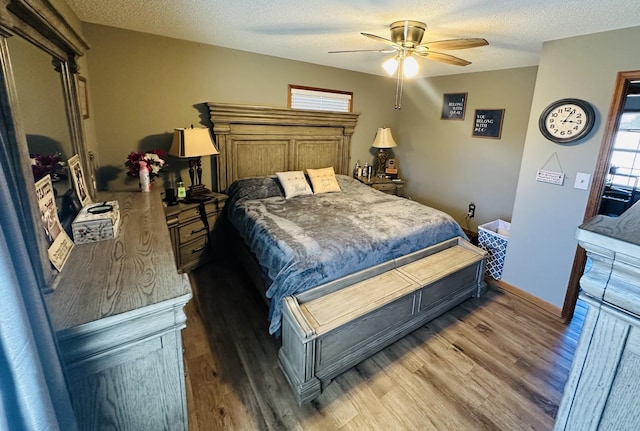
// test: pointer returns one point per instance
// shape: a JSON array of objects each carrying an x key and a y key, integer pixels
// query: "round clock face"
[{"x": 567, "y": 120}]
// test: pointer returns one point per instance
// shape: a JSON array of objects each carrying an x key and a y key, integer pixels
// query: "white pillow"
[
  {"x": 294, "y": 183},
  {"x": 323, "y": 180}
]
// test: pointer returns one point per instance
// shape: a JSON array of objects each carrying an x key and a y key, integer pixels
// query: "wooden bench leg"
[
  {"x": 304, "y": 390},
  {"x": 297, "y": 357}
]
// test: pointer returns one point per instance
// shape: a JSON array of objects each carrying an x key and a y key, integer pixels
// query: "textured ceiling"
[{"x": 307, "y": 30}]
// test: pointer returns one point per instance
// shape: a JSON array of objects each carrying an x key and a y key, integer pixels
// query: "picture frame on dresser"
[{"x": 78, "y": 178}]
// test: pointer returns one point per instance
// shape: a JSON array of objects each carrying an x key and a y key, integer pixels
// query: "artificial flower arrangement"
[
  {"x": 152, "y": 158},
  {"x": 43, "y": 165}
]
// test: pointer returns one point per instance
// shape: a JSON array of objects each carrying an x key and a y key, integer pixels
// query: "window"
[
  {"x": 625, "y": 160},
  {"x": 319, "y": 99}
]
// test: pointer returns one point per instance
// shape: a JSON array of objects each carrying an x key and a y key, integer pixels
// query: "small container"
[
  {"x": 145, "y": 180},
  {"x": 182, "y": 191}
]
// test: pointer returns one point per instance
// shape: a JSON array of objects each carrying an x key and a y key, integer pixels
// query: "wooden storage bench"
[{"x": 331, "y": 328}]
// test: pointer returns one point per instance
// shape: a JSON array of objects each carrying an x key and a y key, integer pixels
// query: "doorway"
[{"x": 626, "y": 83}]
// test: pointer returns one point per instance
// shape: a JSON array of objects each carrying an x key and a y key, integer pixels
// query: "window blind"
[{"x": 318, "y": 100}]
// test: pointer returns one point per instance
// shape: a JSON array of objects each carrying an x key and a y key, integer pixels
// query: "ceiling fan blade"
[
  {"x": 444, "y": 58},
  {"x": 382, "y": 39},
  {"x": 451, "y": 44},
  {"x": 386, "y": 51}
]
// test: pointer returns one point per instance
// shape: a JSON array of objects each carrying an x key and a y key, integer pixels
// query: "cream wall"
[
  {"x": 445, "y": 167},
  {"x": 542, "y": 244},
  {"x": 143, "y": 86}
]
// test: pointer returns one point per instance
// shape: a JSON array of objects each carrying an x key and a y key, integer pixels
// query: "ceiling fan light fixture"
[
  {"x": 410, "y": 67},
  {"x": 390, "y": 66}
]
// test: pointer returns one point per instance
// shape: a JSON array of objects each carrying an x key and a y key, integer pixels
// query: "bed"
[
  {"x": 308, "y": 252},
  {"x": 306, "y": 241}
]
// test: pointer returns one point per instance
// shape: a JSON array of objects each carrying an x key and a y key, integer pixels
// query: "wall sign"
[
  {"x": 453, "y": 105},
  {"x": 550, "y": 177},
  {"x": 488, "y": 123}
]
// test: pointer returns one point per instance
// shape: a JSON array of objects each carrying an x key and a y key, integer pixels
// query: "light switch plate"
[{"x": 582, "y": 181}]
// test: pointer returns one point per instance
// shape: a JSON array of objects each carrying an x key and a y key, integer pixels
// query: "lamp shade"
[
  {"x": 192, "y": 142},
  {"x": 384, "y": 139},
  {"x": 390, "y": 66},
  {"x": 410, "y": 67}
]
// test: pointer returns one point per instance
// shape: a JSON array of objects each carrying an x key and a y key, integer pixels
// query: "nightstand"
[
  {"x": 386, "y": 185},
  {"x": 192, "y": 239}
]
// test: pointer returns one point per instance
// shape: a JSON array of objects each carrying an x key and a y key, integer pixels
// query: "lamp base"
[
  {"x": 197, "y": 189},
  {"x": 381, "y": 162}
]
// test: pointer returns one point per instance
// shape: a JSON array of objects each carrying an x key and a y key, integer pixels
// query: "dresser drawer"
[
  {"x": 387, "y": 188},
  {"x": 193, "y": 251},
  {"x": 195, "y": 229},
  {"x": 194, "y": 213},
  {"x": 189, "y": 235}
]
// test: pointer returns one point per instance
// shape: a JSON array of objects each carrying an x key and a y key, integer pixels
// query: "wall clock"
[{"x": 567, "y": 120}]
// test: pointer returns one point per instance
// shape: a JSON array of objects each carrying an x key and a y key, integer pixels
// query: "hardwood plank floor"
[{"x": 494, "y": 363}]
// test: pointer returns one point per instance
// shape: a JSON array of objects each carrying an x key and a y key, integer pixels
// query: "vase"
[{"x": 145, "y": 182}]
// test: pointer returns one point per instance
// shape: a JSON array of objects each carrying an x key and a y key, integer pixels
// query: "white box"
[
  {"x": 493, "y": 237},
  {"x": 88, "y": 227}
]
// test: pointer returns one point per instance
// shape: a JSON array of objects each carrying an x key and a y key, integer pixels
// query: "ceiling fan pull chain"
[{"x": 399, "y": 84}]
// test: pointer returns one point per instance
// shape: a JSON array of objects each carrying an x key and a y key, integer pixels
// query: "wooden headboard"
[{"x": 262, "y": 140}]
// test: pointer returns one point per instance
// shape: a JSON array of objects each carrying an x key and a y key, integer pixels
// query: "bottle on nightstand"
[{"x": 182, "y": 191}]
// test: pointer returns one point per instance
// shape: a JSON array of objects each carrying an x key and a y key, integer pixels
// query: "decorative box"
[{"x": 96, "y": 222}]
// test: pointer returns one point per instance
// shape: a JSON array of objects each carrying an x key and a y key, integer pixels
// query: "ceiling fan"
[{"x": 406, "y": 38}]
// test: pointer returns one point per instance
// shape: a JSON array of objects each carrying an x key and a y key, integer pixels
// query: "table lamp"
[
  {"x": 383, "y": 142},
  {"x": 193, "y": 143}
]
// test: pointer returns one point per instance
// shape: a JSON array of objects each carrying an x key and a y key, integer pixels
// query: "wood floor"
[{"x": 494, "y": 363}]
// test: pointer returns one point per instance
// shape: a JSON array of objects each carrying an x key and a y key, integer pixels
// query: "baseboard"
[{"x": 534, "y": 300}]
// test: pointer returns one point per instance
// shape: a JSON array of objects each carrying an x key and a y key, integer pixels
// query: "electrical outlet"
[{"x": 472, "y": 210}]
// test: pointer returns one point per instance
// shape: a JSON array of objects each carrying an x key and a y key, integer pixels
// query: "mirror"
[
  {"x": 622, "y": 183},
  {"x": 39, "y": 108},
  {"x": 41, "y": 101}
]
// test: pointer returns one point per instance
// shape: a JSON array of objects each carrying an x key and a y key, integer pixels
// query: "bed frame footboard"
[{"x": 331, "y": 328}]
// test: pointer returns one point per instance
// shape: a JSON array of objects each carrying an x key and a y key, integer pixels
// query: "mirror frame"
[{"x": 52, "y": 27}]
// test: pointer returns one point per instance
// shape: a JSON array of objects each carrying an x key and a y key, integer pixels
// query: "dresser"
[
  {"x": 386, "y": 185},
  {"x": 117, "y": 311},
  {"x": 191, "y": 228},
  {"x": 604, "y": 382}
]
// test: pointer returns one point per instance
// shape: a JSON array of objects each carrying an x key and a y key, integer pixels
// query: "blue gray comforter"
[{"x": 306, "y": 241}]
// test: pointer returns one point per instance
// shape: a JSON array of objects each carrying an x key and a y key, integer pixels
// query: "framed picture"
[
  {"x": 453, "y": 106},
  {"x": 488, "y": 123},
  {"x": 77, "y": 176},
  {"x": 83, "y": 96},
  {"x": 59, "y": 243}
]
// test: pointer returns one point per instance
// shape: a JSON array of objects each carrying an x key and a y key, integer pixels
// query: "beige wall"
[
  {"x": 445, "y": 167},
  {"x": 143, "y": 86},
  {"x": 542, "y": 244}
]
